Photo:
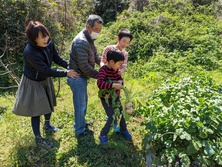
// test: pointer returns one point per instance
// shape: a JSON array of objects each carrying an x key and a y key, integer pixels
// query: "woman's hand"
[{"x": 72, "y": 74}]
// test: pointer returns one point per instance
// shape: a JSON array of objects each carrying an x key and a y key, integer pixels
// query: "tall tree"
[{"x": 109, "y": 9}]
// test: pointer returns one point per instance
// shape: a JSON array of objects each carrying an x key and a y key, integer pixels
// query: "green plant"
[
  {"x": 185, "y": 121},
  {"x": 111, "y": 94},
  {"x": 169, "y": 28}
]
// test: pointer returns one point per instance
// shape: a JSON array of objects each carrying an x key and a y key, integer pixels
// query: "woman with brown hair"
[{"x": 36, "y": 95}]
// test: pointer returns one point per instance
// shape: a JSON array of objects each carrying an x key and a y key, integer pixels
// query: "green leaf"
[
  {"x": 127, "y": 116},
  {"x": 175, "y": 137},
  {"x": 209, "y": 131},
  {"x": 185, "y": 135},
  {"x": 209, "y": 151},
  {"x": 191, "y": 149},
  {"x": 191, "y": 130},
  {"x": 179, "y": 131},
  {"x": 197, "y": 144},
  {"x": 199, "y": 124},
  {"x": 203, "y": 135}
]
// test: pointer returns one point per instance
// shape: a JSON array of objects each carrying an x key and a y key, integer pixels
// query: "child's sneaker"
[
  {"x": 41, "y": 142},
  {"x": 116, "y": 128},
  {"x": 50, "y": 129},
  {"x": 103, "y": 139},
  {"x": 126, "y": 134}
]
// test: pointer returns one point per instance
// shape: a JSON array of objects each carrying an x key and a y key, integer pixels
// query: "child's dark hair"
[
  {"x": 125, "y": 33},
  {"x": 114, "y": 55}
]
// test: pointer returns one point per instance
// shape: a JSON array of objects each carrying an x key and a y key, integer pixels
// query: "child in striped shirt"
[
  {"x": 110, "y": 79},
  {"x": 123, "y": 40}
]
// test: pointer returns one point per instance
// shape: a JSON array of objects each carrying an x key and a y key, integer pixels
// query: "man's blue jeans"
[{"x": 80, "y": 100}]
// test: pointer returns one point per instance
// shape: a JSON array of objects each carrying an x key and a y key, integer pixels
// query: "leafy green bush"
[
  {"x": 184, "y": 122},
  {"x": 176, "y": 28}
]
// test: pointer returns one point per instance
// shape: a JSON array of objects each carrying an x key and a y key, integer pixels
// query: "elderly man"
[{"x": 83, "y": 56}]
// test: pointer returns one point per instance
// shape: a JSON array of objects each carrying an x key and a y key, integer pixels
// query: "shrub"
[
  {"x": 184, "y": 122},
  {"x": 168, "y": 28}
]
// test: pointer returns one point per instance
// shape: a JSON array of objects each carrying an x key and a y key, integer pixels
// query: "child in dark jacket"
[{"x": 108, "y": 80}]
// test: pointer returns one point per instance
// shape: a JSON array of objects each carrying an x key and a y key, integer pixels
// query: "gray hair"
[{"x": 94, "y": 18}]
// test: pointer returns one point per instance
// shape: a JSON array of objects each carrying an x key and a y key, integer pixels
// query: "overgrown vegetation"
[
  {"x": 185, "y": 122},
  {"x": 175, "y": 33},
  {"x": 174, "y": 78}
]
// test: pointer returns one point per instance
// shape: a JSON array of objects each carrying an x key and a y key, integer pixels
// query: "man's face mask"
[{"x": 94, "y": 35}]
